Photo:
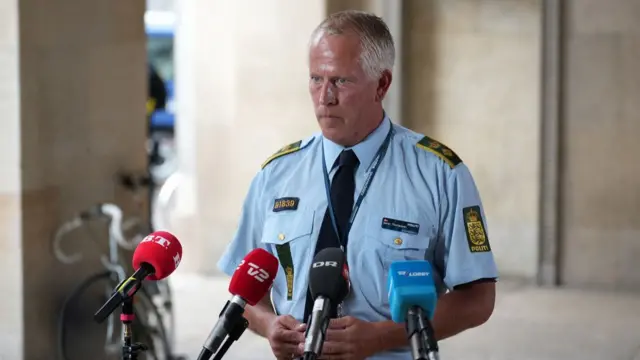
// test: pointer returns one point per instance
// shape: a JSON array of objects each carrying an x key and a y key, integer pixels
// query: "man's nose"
[{"x": 327, "y": 94}]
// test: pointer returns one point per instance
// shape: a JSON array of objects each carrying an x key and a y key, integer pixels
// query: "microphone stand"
[
  {"x": 236, "y": 331},
  {"x": 129, "y": 350},
  {"x": 123, "y": 295},
  {"x": 423, "y": 342}
]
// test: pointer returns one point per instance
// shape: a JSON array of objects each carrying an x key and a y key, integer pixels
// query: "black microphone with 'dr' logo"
[{"x": 329, "y": 285}]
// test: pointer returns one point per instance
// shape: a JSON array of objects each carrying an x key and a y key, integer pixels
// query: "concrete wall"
[
  {"x": 72, "y": 95},
  {"x": 240, "y": 98},
  {"x": 472, "y": 74},
  {"x": 11, "y": 306},
  {"x": 601, "y": 172}
]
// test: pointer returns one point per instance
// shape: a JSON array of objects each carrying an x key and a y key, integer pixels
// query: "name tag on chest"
[
  {"x": 285, "y": 203},
  {"x": 399, "y": 225}
]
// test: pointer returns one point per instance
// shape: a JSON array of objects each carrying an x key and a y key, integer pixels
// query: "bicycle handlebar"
[
  {"x": 63, "y": 229},
  {"x": 116, "y": 235},
  {"x": 115, "y": 226}
]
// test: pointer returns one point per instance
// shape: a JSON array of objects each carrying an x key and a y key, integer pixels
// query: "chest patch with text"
[
  {"x": 475, "y": 229},
  {"x": 286, "y": 203},
  {"x": 399, "y": 225}
]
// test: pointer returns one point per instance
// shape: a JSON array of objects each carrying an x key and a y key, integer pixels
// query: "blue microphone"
[{"x": 412, "y": 301}]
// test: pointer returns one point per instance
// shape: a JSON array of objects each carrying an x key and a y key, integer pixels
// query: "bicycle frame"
[
  {"x": 112, "y": 263},
  {"x": 163, "y": 198}
]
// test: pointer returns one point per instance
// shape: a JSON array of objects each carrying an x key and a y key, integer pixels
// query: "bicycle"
[
  {"x": 164, "y": 200},
  {"x": 152, "y": 303}
]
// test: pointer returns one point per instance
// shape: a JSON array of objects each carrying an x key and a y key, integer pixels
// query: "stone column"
[
  {"x": 241, "y": 94},
  {"x": 11, "y": 250},
  {"x": 73, "y": 90},
  {"x": 600, "y": 167},
  {"x": 473, "y": 74}
]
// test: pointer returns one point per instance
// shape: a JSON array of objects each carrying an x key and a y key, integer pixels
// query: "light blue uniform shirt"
[{"x": 412, "y": 185}]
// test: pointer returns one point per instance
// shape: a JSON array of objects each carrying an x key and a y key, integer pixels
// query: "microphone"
[
  {"x": 329, "y": 285},
  {"x": 412, "y": 300},
  {"x": 156, "y": 257},
  {"x": 250, "y": 282}
]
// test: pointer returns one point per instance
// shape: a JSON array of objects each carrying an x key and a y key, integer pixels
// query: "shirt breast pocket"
[
  {"x": 399, "y": 237},
  {"x": 287, "y": 235},
  {"x": 396, "y": 237}
]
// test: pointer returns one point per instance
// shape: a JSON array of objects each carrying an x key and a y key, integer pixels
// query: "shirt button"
[
  {"x": 281, "y": 236},
  {"x": 397, "y": 241}
]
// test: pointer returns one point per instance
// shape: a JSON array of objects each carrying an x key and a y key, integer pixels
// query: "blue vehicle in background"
[{"x": 159, "y": 27}]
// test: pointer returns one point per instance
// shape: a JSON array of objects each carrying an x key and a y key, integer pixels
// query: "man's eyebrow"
[{"x": 332, "y": 77}]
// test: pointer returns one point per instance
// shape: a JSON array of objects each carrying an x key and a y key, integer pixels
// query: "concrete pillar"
[
  {"x": 11, "y": 309},
  {"x": 241, "y": 93},
  {"x": 600, "y": 197},
  {"x": 72, "y": 99},
  {"x": 473, "y": 70},
  {"x": 550, "y": 140}
]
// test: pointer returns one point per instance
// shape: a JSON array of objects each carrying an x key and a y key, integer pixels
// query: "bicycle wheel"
[
  {"x": 160, "y": 294},
  {"x": 150, "y": 326},
  {"x": 77, "y": 314}
]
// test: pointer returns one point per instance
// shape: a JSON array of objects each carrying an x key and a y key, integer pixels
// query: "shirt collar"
[{"x": 365, "y": 150}]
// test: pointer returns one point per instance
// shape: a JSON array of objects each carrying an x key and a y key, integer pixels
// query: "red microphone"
[
  {"x": 160, "y": 253},
  {"x": 156, "y": 257},
  {"x": 250, "y": 282},
  {"x": 253, "y": 276}
]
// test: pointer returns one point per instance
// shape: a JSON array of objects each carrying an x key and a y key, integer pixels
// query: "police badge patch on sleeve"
[{"x": 476, "y": 233}]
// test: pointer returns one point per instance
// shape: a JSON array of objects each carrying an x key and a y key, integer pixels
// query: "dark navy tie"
[{"x": 342, "y": 193}]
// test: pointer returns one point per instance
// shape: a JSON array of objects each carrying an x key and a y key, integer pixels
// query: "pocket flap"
[{"x": 284, "y": 227}]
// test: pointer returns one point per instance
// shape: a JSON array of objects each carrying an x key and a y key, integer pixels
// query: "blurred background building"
[{"x": 538, "y": 97}]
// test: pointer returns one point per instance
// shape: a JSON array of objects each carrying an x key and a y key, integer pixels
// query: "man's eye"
[
  {"x": 315, "y": 79},
  {"x": 341, "y": 81}
]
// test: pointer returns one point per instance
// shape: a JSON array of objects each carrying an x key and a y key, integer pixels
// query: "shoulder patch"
[
  {"x": 440, "y": 150},
  {"x": 475, "y": 229},
  {"x": 289, "y": 149}
]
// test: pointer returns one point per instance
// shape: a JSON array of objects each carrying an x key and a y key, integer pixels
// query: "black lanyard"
[{"x": 365, "y": 188}]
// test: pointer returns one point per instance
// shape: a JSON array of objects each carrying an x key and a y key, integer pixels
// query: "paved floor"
[{"x": 528, "y": 324}]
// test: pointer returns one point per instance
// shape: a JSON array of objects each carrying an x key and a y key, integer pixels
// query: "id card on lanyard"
[{"x": 365, "y": 188}]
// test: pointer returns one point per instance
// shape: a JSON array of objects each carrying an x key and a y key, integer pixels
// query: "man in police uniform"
[{"x": 413, "y": 198}]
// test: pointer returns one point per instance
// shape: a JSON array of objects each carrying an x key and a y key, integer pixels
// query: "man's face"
[{"x": 344, "y": 98}]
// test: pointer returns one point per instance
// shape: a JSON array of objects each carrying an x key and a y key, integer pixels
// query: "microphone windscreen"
[
  {"x": 254, "y": 276},
  {"x": 329, "y": 275},
  {"x": 410, "y": 283},
  {"x": 162, "y": 251}
]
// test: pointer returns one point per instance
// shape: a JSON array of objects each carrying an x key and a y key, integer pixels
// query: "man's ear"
[{"x": 384, "y": 82}]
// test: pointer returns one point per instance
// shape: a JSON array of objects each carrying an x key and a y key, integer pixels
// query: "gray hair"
[{"x": 378, "y": 50}]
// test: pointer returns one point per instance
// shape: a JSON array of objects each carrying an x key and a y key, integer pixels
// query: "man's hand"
[
  {"x": 285, "y": 334},
  {"x": 349, "y": 338}
]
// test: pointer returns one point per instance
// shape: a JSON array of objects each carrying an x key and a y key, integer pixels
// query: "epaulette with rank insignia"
[
  {"x": 440, "y": 150},
  {"x": 289, "y": 149}
]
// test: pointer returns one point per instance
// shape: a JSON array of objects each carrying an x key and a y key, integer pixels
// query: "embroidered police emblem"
[{"x": 476, "y": 233}]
